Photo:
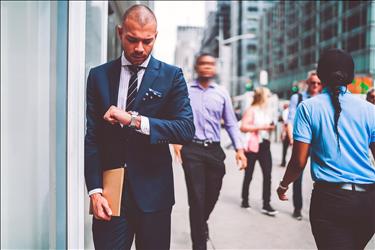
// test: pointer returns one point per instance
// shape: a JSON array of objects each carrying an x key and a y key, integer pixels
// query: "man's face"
[
  {"x": 371, "y": 97},
  {"x": 137, "y": 41},
  {"x": 206, "y": 67},
  {"x": 314, "y": 85}
]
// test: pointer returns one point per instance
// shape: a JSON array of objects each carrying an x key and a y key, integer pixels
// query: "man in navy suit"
[{"x": 136, "y": 106}]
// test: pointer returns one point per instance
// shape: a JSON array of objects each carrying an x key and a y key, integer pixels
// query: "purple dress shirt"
[{"x": 209, "y": 107}]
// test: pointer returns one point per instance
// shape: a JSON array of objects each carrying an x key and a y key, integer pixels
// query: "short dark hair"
[
  {"x": 202, "y": 54},
  {"x": 142, "y": 18}
]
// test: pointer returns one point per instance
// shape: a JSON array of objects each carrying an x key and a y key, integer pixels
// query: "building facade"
[
  {"x": 47, "y": 49},
  {"x": 187, "y": 46},
  {"x": 245, "y": 16},
  {"x": 294, "y": 33}
]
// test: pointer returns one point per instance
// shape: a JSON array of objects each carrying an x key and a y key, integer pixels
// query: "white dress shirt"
[{"x": 123, "y": 94}]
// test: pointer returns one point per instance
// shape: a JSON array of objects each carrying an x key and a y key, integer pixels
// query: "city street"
[{"x": 232, "y": 227}]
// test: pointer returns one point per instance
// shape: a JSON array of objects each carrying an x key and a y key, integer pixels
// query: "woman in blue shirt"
[{"x": 336, "y": 128}]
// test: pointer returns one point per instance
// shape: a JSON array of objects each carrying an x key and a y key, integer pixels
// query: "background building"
[
  {"x": 187, "y": 46},
  {"x": 294, "y": 33},
  {"x": 245, "y": 17}
]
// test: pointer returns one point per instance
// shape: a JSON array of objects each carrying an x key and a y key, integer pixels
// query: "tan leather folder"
[{"x": 113, "y": 181}]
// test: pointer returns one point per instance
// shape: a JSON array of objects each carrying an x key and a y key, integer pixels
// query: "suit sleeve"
[
  {"x": 93, "y": 171},
  {"x": 178, "y": 128}
]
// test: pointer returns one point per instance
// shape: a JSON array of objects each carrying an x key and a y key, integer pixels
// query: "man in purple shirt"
[{"x": 203, "y": 158}]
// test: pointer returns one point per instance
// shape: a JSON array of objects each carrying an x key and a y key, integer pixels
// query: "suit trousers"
[
  {"x": 342, "y": 219},
  {"x": 204, "y": 171},
  {"x": 265, "y": 161},
  {"x": 151, "y": 230}
]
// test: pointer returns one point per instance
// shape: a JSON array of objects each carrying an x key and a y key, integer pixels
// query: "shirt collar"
[
  {"x": 196, "y": 84},
  {"x": 125, "y": 62},
  {"x": 343, "y": 90}
]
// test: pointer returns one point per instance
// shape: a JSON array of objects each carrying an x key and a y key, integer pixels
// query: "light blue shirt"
[
  {"x": 293, "y": 105},
  {"x": 314, "y": 124}
]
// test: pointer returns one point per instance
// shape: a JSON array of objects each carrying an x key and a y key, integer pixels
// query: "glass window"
[{"x": 33, "y": 124}]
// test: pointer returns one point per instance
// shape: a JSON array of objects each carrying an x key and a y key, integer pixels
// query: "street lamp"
[{"x": 225, "y": 55}]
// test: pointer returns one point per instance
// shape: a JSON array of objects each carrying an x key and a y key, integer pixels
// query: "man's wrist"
[
  {"x": 240, "y": 150},
  {"x": 283, "y": 186}
]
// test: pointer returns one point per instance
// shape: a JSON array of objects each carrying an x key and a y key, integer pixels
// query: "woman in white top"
[{"x": 257, "y": 123}]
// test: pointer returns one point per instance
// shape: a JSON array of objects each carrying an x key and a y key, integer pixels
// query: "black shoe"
[
  {"x": 267, "y": 209},
  {"x": 206, "y": 233},
  {"x": 297, "y": 214},
  {"x": 245, "y": 204}
]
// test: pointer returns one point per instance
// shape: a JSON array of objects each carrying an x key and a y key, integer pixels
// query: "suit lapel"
[
  {"x": 148, "y": 78},
  {"x": 114, "y": 81}
]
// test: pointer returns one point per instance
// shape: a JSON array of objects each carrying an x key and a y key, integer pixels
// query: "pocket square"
[
  {"x": 155, "y": 93},
  {"x": 152, "y": 94}
]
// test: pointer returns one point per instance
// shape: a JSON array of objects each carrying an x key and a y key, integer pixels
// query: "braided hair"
[{"x": 336, "y": 69}]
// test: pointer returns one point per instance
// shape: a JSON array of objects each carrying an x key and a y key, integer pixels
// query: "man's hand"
[
  {"x": 281, "y": 193},
  {"x": 177, "y": 152},
  {"x": 100, "y": 207},
  {"x": 241, "y": 159},
  {"x": 116, "y": 115}
]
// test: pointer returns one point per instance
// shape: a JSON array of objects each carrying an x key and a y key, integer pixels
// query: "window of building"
[
  {"x": 309, "y": 23},
  {"x": 355, "y": 43},
  {"x": 293, "y": 33},
  {"x": 252, "y": 9},
  {"x": 329, "y": 12},
  {"x": 328, "y": 32},
  {"x": 356, "y": 20},
  {"x": 293, "y": 48},
  {"x": 309, "y": 41},
  {"x": 250, "y": 67},
  {"x": 309, "y": 8},
  {"x": 251, "y": 48},
  {"x": 308, "y": 58},
  {"x": 293, "y": 63},
  {"x": 350, "y": 5}
]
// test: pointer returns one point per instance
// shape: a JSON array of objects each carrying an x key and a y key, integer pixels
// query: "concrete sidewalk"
[{"x": 232, "y": 227}]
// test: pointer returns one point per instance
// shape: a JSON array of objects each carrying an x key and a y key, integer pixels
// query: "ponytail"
[{"x": 336, "y": 80}]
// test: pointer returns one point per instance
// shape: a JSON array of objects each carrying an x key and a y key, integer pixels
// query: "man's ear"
[
  {"x": 119, "y": 30},
  {"x": 156, "y": 35}
]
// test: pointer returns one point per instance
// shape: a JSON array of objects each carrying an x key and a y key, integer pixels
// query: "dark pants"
[
  {"x": 297, "y": 193},
  {"x": 204, "y": 171},
  {"x": 286, "y": 143},
  {"x": 342, "y": 219},
  {"x": 151, "y": 230},
  {"x": 265, "y": 161}
]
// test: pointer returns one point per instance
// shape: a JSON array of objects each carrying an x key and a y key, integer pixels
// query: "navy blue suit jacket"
[{"x": 147, "y": 157}]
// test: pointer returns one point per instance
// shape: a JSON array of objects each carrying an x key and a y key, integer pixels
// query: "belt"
[
  {"x": 346, "y": 186},
  {"x": 205, "y": 143}
]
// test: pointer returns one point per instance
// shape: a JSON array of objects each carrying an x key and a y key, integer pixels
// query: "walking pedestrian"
[
  {"x": 314, "y": 87},
  {"x": 203, "y": 158},
  {"x": 337, "y": 128},
  {"x": 257, "y": 123}
]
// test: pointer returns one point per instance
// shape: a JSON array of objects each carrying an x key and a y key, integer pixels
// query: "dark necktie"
[{"x": 132, "y": 87}]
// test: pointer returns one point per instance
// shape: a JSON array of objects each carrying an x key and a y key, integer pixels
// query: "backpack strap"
[{"x": 299, "y": 99}]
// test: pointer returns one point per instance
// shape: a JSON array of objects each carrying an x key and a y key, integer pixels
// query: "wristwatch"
[{"x": 133, "y": 119}]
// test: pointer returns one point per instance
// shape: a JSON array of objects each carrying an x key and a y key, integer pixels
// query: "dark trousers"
[
  {"x": 342, "y": 219},
  {"x": 286, "y": 143},
  {"x": 151, "y": 230},
  {"x": 204, "y": 171},
  {"x": 297, "y": 193},
  {"x": 265, "y": 161}
]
